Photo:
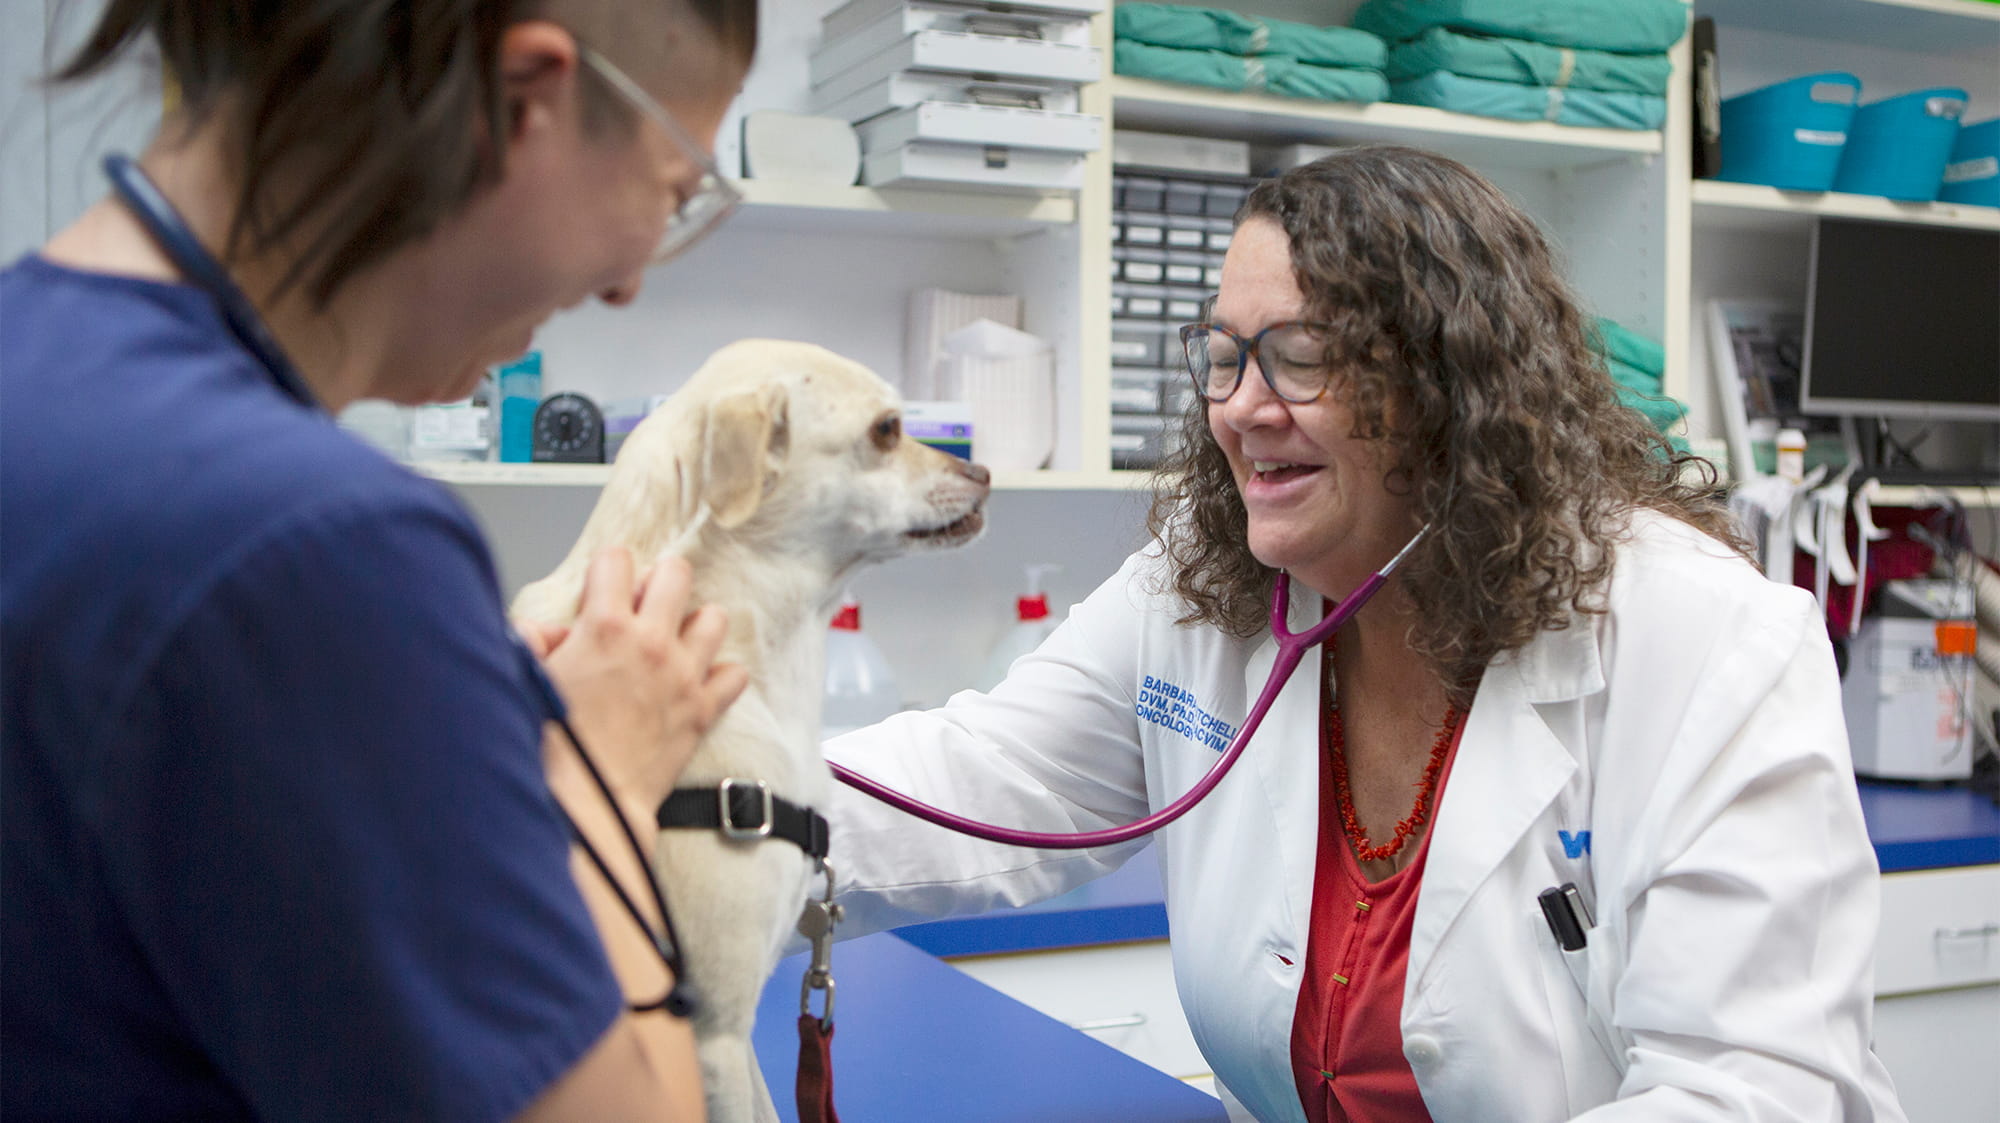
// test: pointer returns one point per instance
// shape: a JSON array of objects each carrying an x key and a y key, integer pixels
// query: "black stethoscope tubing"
[{"x": 171, "y": 233}]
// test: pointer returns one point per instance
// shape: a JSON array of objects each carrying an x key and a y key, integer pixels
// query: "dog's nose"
[{"x": 977, "y": 473}]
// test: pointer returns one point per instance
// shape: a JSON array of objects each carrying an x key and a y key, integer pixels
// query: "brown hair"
[
  {"x": 1461, "y": 348},
  {"x": 371, "y": 114}
]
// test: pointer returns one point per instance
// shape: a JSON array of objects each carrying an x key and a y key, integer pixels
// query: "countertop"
[
  {"x": 1917, "y": 828},
  {"x": 916, "y": 1039}
]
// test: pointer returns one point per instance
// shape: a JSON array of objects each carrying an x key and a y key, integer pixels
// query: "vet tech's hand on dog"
[{"x": 638, "y": 673}]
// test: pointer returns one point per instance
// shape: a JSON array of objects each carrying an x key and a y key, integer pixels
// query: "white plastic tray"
[
  {"x": 1022, "y": 169},
  {"x": 1053, "y": 20},
  {"x": 862, "y": 93},
  {"x": 959, "y": 52},
  {"x": 950, "y": 122}
]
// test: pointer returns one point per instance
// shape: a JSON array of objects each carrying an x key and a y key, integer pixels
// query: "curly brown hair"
[{"x": 1459, "y": 345}]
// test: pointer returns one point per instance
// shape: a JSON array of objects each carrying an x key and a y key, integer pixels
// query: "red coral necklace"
[{"x": 1426, "y": 787}]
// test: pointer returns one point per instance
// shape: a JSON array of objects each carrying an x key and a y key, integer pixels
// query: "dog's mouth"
[{"x": 956, "y": 531}]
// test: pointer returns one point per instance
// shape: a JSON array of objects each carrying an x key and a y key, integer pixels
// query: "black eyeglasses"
[{"x": 1292, "y": 356}]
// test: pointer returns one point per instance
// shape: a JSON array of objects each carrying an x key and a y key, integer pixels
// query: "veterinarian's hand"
[{"x": 638, "y": 672}]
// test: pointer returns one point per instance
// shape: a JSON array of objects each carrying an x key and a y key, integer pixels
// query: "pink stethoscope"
[{"x": 1292, "y": 647}]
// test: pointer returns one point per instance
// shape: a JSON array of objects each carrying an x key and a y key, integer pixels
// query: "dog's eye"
[{"x": 887, "y": 432}]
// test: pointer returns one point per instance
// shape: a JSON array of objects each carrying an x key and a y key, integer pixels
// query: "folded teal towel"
[
  {"x": 1632, "y": 378},
  {"x": 1623, "y": 345},
  {"x": 1663, "y": 412},
  {"x": 1210, "y": 29},
  {"x": 1274, "y": 74},
  {"x": 1634, "y": 26},
  {"x": 1528, "y": 64},
  {"x": 1485, "y": 98}
]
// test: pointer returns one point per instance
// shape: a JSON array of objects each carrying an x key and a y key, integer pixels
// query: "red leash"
[
  {"x": 815, "y": 1080},
  {"x": 815, "y": 1088}
]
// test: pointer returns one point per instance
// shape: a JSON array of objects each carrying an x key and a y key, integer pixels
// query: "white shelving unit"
[{"x": 1751, "y": 241}]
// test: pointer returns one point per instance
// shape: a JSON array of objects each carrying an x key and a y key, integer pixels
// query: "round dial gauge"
[{"x": 569, "y": 428}]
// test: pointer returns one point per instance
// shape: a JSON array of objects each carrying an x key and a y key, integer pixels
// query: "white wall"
[{"x": 51, "y": 140}]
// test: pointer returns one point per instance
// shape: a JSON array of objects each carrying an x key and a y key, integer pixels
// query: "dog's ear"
[{"x": 744, "y": 442}]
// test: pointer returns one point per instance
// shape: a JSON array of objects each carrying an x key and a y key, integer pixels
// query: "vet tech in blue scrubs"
[{"x": 280, "y": 840}]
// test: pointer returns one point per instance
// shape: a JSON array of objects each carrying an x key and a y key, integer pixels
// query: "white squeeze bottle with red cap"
[
  {"x": 860, "y": 684},
  {"x": 1032, "y": 625}
]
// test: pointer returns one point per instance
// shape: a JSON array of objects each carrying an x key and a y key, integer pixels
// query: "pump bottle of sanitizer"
[
  {"x": 860, "y": 684},
  {"x": 1032, "y": 625}
]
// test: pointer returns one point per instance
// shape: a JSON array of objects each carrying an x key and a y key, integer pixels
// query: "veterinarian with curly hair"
[
  {"x": 280, "y": 839},
  {"x": 1575, "y": 679}
]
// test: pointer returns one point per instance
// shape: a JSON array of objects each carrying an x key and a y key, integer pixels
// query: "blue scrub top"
[{"x": 277, "y": 838}]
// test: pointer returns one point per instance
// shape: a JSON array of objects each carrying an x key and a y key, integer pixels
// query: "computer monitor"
[{"x": 1902, "y": 320}]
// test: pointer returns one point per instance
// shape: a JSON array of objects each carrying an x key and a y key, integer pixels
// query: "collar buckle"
[{"x": 736, "y": 800}]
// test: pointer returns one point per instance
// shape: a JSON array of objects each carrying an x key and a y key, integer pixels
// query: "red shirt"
[{"x": 1347, "y": 1036}]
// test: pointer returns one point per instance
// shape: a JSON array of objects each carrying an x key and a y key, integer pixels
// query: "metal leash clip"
[{"x": 816, "y": 923}]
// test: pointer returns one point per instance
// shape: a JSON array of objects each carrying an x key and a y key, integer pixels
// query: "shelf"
[
  {"x": 819, "y": 209},
  {"x": 1751, "y": 206},
  {"x": 1974, "y": 498},
  {"x": 1261, "y": 119},
  {"x": 1930, "y": 26},
  {"x": 484, "y": 473},
  {"x": 488, "y": 474}
]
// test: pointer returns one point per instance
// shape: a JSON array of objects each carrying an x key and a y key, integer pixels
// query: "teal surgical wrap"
[
  {"x": 1663, "y": 412},
  {"x": 1623, "y": 345},
  {"x": 1484, "y": 98},
  {"x": 1630, "y": 26},
  {"x": 1265, "y": 74},
  {"x": 1528, "y": 64},
  {"x": 1633, "y": 379},
  {"x": 1210, "y": 29}
]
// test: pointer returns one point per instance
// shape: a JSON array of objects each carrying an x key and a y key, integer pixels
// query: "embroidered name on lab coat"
[{"x": 1171, "y": 706}]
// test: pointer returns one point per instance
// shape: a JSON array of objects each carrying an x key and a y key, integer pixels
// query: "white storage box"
[
  {"x": 1180, "y": 153},
  {"x": 860, "y": 94},
  {"x": 950, "y": 122},
  {"x": 962, "y": 52},
  {"x": 992, "y": 166},
  {"x": 882, "y": 20}
]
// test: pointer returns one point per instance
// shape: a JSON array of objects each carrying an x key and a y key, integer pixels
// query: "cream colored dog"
[{"x": 777, "y": 471}]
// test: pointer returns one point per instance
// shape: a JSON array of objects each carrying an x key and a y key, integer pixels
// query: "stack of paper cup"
[{"x": 1008, "y": 377}]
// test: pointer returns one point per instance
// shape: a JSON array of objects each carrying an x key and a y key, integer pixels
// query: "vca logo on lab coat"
[{"x": 1575, "y": 844}]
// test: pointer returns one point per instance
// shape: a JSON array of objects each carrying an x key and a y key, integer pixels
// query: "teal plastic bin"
[
  {"x": 1972, "y": 175},
  {"x": 1789, "y": 135},
  {"x": 1897, "y": 147}
]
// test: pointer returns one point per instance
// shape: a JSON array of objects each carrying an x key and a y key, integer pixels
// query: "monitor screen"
[{"x": 1902, "y": 321}]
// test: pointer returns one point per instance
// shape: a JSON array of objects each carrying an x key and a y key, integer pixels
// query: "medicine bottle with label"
[{"x": 1791, "y": 455}]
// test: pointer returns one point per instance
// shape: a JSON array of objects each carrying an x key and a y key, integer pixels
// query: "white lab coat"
[{"x": 1681, "y": 758}]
